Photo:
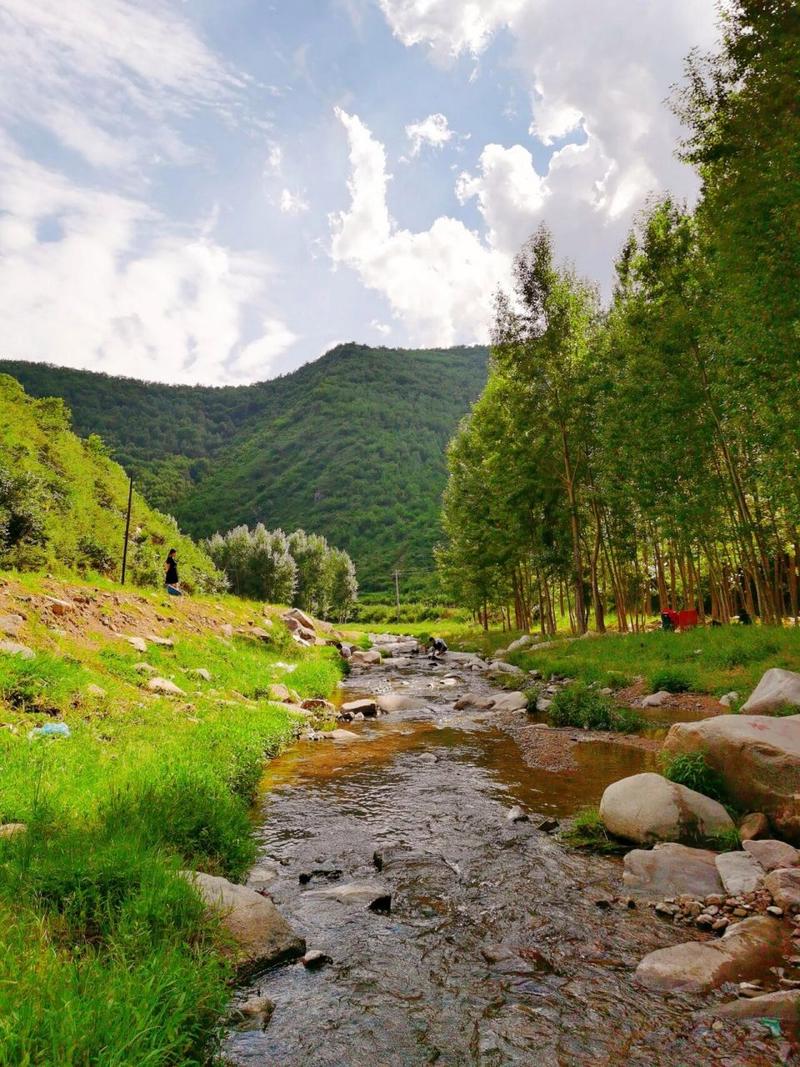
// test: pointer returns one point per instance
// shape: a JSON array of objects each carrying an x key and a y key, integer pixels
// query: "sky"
[{"x": 218, "y": 191}]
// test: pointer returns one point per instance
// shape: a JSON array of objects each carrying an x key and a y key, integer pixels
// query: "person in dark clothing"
[
  {"x": 436, "y": 648},
  {"x": 744, "y": 618},
  {"x": 171, "y": 573}
]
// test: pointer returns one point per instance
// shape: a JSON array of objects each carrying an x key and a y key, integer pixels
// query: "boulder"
[
  {"x": 371, "y": 895},
  {"x": 162, "y": 642},
  {"x": 511, "y": 702},
  {"x": 740, "y": 872},
  {"x": 745, "y": 951},
  {"x": 390, "y": 702},
  {"x": 656, "y": 700},
  {"x": 671, "y": 870},
  {"x": 784, "y": 885},
  {"x": 164, "y": 685},
  {"x": 368, "y": 708},
  {"x": 10, "y": 624},
  {"x": 280, "y": 693},
  {"x": 520, "y": 643},
  {"x": 262, "y": 936},
  {"x": 253, "y": 1014},
  {"x": 299, "y": 616},
  {"x": 138, "y": 643},
  {"x": 474, "y": 700},
  {"x": 13, "y": 648},
  {"x": 754, "y": 825},
  {"x": 776, "y": 689},
  {"x": 783, "y": 1005},
  {"x": 646, "y": 808},
  {"x": 772, "y": 855},
  {"x": 498, "y": 667},
  {"x": 758, "y": 758},
  {"x": 360, "y": 658}
]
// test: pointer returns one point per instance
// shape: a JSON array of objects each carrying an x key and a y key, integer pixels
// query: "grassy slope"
[
  {"x": 106, "y": 956},
  {"x": 83, "y": 495},
  {"x": 350, "y": 446}
]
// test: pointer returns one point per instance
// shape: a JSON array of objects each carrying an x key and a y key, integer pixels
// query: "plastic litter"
[
  {"x": 51, "y": 729},
  {"x": 773, "y": 1025}
]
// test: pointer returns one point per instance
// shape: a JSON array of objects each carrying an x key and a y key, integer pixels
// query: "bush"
[
  {"x": 692, "y": 770},
  {"x": 673, "y": 680},
  {"x": 578, "y": 705}
]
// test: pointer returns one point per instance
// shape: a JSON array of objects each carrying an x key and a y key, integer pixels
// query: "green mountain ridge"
[{"x": 351, "y": 446}]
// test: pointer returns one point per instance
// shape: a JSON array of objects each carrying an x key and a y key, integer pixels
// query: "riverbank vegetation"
[
  {"x": 106, "y": 954},
  {"x": 640, "y": 457}
]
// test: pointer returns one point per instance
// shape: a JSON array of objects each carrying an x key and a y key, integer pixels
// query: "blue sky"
[{"x": 218, "y": 192}]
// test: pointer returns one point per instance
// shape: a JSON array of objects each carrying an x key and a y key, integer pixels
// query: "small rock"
[
  {"x": 548, "y": 826},
  {"x": 372, "y": 895},
  {"x": 330, "y": 874},
  {"x": 253, "y": 1014},
  {"x": 784, "y": 885},
  {"x": 368, "y": 708},
  {"x": 315, "y": 959},
  {"x": 279, "y": 692},
  {"x": 393, "y": 702},
  {"x": 774, "y": 910},
  {"x": 59, "y": 607},
  {"x": 93, "y": 690},
  {"x": 10, "y": 624},
  {"x": 728, "y": 698},
  {"x": 516, "y": 701},
  {"x": 201, "y": 672},
  {"x": 138, "y": 643},
  {"x": 13, "y": 648},
  {"x": 784, "y": 1005},
  {"x": 343, "y": 736},
  {"x": 11, "y": 829},
  {"x": 754, "y": 825},
  {"x": 164, "y": 685},
  {"x": 516, "y": 814},
  {"x": 145, "y": 668},
  {"x": 656, "y": 700}
]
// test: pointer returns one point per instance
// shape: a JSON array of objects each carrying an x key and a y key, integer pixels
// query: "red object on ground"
[{"x": 682, "y": 620}]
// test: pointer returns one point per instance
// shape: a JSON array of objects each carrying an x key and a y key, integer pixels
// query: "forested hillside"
[
  {"x": 63, "y": 502},
  {"x": 351, "y": 446},
  {"x": 645, "y": 456}
]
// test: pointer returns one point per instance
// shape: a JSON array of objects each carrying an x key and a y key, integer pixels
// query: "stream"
[{"x": 502, "y": 946}]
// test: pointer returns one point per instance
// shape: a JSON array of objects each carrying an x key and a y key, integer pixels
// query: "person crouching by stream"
[
  {"x": 436, "y": 648},
  {"x": 171, "y": 573}
]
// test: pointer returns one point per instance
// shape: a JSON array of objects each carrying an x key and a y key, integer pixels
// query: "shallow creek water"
[{"x": 426, "y": 984}]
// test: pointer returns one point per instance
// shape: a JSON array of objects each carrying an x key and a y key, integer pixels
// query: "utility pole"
[
  {"x": 397, "y": 592},
  {"x": 127, "y": 531}
]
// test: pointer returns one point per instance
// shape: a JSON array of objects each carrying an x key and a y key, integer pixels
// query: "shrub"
[
  {"x": 673, "y": 680},
  {"x": 577, "y": 705},
  {"x": 692, "y": 770}
]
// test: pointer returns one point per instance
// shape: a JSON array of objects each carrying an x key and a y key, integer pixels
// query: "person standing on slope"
[{"x": 171, "y": 573}]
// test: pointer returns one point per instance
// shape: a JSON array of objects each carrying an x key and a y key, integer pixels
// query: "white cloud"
[
  {"x": 98, "y": 280},
  {"x": 433, "y": 131},
  {"x": 293, "y": 203},
  {"x": 89, "y": 71},
  {"x": 440, "y": 282},
  {"x": 604, "y": 69},
  {"x": 383, "y": 328}
]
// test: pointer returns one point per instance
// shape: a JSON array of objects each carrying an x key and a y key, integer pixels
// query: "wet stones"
[
  {"x": 370, "y": 895},
  {"x": 368, "y": 708},
  {"x": 511, "y": 702},
  {"x": 670, "y": 870},
  {"x": 743, "y": 952},
  {"x": 394, "y": 702},
  {"x": 329, "y": 874},
  {"x": 315, "y": 960},
  {"x": 647, "y": 808},
  {"x": 261, "y": 934}
]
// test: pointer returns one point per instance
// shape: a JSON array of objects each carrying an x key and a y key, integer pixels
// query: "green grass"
[
  {"x": 106, "y": 954},
  {"x": 577, "y": 705},
  {"x": 588, "y": 832},
  {"x": 692, "y": 770},
  {"x": 710, "y": 660}
]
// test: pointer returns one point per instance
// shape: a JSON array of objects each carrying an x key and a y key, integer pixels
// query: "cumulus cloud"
[
  {"x": 441, "y": 281},
  {"x": 433, "y": 131},
  {"x": 293, "y": 203},
  {"x": 598, "y": 73},
  {"x": 98, "y": 280}
]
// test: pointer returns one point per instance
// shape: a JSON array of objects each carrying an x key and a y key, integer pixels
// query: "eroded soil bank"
[{"x": 501, "y": 946}]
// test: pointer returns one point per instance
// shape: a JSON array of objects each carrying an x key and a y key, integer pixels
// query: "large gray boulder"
[
  {"x": 758, "y": 758},
  {"x": 740, "y": 872},
  {"x": 772, "y": 855},
  {"x": 671, "y": 870},
  {"x": 745, "y": 951},
  {"x": 776, "y": 689},
  {"x": 262, "y": 936},
  {"x": 647, "y": 808},
  {"x": 511, "y": 702}
]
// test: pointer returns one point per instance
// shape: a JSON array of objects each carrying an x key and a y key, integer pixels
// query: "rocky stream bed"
[{"x": 449, "y": 930}]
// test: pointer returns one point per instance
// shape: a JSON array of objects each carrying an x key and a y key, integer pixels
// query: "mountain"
[
  {"x": 63, "y": 502},
  {"x": 350, "y": 446}
]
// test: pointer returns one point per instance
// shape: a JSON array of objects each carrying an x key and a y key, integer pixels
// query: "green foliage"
[
  {"x": 725, "y": 840},
  {"x": 587, "y": 831},
  {"x": 673, "y": 680},
  {"x": 63, "y": 502},
  {"x": 692, "y": 770},
  {"x": 351, "y": 446},
  {"x": 578, "y": 705},
  {"x": 45, "y": 684}
]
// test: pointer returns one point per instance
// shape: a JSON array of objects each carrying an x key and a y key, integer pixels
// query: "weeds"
[
  {"x": 692, "y": 770},
  {"x": 588, "y": 832},
  {"x": 578, "y": 705}
]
